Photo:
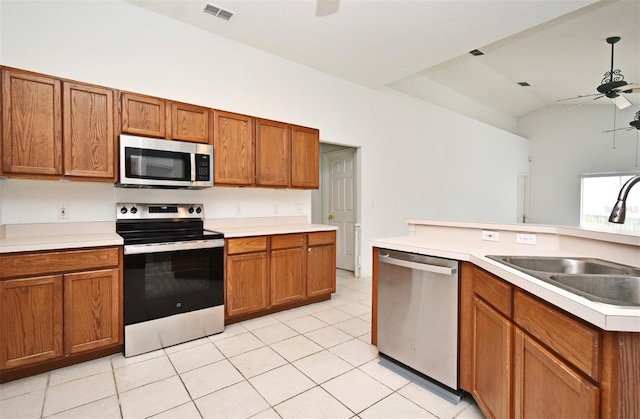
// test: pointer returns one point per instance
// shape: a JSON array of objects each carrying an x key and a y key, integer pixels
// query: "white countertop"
[
  {"x": 468, "y": 247},
  {"x": 56, "y": 236},
  {"x": 264, "y": 226}
]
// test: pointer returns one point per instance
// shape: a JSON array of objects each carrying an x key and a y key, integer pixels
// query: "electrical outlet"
[
  {"x": 63, "y": 211},
  {"x": 523, "y": 238},
  {"x": 299, "y": 209},
  {"x": 238, "y": 210},
  {"x": 275, "y": 209},
  {"x": 492, "y": 236}
]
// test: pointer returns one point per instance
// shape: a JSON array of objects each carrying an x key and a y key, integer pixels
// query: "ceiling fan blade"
[
  {"x": 579, "y": 97},
  {"x": 327, "y": 7},
  {"x": 618, "y": 129},
  {"x": 621, "y": 101},
  {"x": 628, "y": 88},
  {"x": 582, "y": 104}
]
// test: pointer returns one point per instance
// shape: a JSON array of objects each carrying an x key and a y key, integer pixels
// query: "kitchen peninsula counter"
[
  {"x": 462, "y": 241},
  {"x": 57, "y": 236}
]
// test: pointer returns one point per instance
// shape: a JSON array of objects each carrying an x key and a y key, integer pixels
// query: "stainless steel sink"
[
  {"x": 617, "y": 290},
  {"x": 598, "y": 280},
  {"x": 566, "y": 265}
]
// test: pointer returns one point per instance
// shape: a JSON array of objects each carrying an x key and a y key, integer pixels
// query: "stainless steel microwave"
[{"x": 152, "y": 163}]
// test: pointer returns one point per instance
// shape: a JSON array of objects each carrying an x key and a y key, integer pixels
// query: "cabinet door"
[
  {"x": 491, "y": 360},
  {"x": 273, "y": 153},
  {"x": 31, "y": 326},
  {"x": 233, "y": 150},
  {"x": 546, "y": 387},
  {"x": 247, "y": 281},
  {"x": 287, "y": 275},
  {"x": 305, "y": 158},
  {"x": 31, "y": 124},
  {"x": 91, "y": 310},
  {"x": 189, "y": 123},
  {"x": 89, "y": 137},
  {"x": 144, "y": 115},
  {"x": 321, "y": 263}
]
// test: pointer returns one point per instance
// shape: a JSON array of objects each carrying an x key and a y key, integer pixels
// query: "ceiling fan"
[
  {"x": 613, "y": 85},
  {"x": 635, "y": 124}
]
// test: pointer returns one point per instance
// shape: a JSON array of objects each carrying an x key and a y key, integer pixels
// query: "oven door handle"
[{"x": 137, "y": 249}]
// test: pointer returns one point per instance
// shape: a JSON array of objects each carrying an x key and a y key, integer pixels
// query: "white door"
[
  {"x": 340, "y": 203},
  {"x": 523, "y": 199}
]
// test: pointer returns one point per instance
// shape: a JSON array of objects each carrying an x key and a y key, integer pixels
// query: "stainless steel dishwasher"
[{"x": 418, "y": 319}]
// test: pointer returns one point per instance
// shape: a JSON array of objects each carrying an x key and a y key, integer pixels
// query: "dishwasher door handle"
[{"x": 418, "y": 266}]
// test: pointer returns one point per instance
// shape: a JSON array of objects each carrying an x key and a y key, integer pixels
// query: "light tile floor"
[{"x": 309, "y": 362}]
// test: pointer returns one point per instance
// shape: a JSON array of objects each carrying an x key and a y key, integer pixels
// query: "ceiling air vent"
[
  {"x": 217, "y": 11},
  {"x": 524, "y": 84},
  {"x": 476, "y": 52}
]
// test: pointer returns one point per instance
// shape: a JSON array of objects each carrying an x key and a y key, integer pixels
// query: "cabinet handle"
[{"x": 309, "y": 249}]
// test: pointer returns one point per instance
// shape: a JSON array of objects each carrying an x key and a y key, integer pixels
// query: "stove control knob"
[
  {"x": 198, "y": 210},
  {"x": 191, "y": 210},
  {"x": 123, "y": 210},
  {"x": 134, "y": 210}
]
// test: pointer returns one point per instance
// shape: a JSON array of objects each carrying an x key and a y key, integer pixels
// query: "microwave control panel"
[{"x": 203, "y": 167}]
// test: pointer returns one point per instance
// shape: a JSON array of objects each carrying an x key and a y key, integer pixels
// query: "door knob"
[{"x": 330, "y": 217}]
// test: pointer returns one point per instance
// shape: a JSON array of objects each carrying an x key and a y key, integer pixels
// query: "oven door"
[{"x": 162, "y": 280}]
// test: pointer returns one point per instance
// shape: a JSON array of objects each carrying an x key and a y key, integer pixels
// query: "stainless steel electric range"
[{"x": 173, "y": 275}]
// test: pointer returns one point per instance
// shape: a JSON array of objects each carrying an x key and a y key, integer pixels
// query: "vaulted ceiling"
[{"x": 558, "y": 47}]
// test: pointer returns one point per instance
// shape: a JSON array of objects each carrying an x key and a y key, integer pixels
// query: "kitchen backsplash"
[{"x": 38, "y": 201}]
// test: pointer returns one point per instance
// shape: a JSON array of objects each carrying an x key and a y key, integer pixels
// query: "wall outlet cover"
[{"x": 492, "y": 236}]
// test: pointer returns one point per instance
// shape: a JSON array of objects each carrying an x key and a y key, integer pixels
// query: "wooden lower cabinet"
[
  {"x": 31, "y": 326},
  {"x": 264, "y": 274},
  {"x": 321, "y": 263},
  {"x": 546, "y": 387},
  {"x": 525, "y": 358},
  {"x": 51, "y": 312},
  {"x": 247, "y": 283},
  {"x": 287, "y": 269},
  {"x": 92, "y": 302},
  {"x": 491, "y": 352}
]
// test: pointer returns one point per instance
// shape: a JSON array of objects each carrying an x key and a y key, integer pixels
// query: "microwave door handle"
[{"x": 192, "y": 156}]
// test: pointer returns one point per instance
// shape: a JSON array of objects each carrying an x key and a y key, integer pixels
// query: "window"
[{"x": 599, "y": 194}]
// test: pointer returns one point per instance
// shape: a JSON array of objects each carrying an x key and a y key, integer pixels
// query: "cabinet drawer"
[
  {"x": 575, "y": 341},
  {"x": 324, "y": 237},
  {"x": 40, "y": 263},
  {"x": 494, "y": 291},
  {"x": 246, "y": 245},
  {"x": 287, "y": 241}
]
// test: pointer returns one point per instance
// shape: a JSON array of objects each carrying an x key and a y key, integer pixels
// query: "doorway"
[
  {"x": 522, "y": 209},
  {"x": 336, "y": 202}
]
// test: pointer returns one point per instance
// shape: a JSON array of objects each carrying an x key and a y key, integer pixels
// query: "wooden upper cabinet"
[
  {"x": 143, "y": 115},
  {"x": 89, "y": 135},
  {"x": 190, "y": 123},
  {"x": 233, "y": 151},
  {"x": 155, "y": 117},
  {"x": 31, "y": 123},
  {"x": 305, "y": 157},
  {"x": 31, "y": 326},
  {"x": 273, "y": 153}
]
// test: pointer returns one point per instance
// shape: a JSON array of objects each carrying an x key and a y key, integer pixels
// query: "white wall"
[
  {"x": 417, "y": 160},
  {"x": 564, "y": 145}
]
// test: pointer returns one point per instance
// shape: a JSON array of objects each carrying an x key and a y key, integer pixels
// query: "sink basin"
[
  {"x": 597, "y": 280},
  {"x": 566, "y": 265},
  {"x": 617, "y": 290}
]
